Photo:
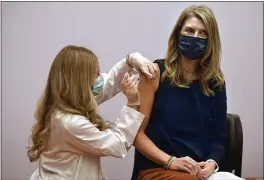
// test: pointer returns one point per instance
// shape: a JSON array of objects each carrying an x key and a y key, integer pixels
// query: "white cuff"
[{"x": 217, "y": 167}]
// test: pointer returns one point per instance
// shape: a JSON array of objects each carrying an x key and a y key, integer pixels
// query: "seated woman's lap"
[{"x": 162, "y": 174}]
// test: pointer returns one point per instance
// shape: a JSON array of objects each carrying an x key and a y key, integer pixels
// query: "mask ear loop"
[{"x": 98, "y": 73}]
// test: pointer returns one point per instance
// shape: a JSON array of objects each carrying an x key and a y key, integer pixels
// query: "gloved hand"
[
  {"x": 130, "y": 89},
  {"x": 142, "y": 65}
]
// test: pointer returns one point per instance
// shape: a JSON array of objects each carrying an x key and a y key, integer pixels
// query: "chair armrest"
[
  {"x": 238, "y": 145},
  {"x": 233, "y": 160}
]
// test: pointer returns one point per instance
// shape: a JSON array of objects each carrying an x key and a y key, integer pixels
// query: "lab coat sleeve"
[
  {"x": 113, "y": 80},
  {"x": 87, "y": 138}
]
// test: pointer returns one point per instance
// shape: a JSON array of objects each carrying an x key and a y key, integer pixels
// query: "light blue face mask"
[{"x": 98, "y": 85}]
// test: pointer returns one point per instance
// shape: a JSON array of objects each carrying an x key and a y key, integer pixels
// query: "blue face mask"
[
  {"x": 98, "y": 85},
  {"x": 192, "y": 47}
]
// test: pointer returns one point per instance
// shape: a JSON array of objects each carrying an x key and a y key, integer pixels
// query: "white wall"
[{"x": 34, "y": 32}]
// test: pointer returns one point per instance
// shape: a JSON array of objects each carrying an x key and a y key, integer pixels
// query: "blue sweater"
[{"x": 185, "y": 122}]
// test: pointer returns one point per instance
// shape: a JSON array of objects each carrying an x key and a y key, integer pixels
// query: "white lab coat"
[{"x": 75, "y": 145}]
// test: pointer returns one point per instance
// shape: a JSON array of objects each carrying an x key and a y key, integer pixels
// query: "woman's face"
[{"x": 194, "y": 27}]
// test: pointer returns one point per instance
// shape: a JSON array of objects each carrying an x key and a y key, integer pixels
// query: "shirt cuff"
[{"x": 217, "y": 167}]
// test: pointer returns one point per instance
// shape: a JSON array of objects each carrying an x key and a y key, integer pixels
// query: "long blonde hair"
[
  {"x": 69, "y": 89},
  {"x": 209, "y": 64}
]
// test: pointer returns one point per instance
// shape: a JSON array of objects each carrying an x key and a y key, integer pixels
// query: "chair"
[{"x": 234, "y": 152}]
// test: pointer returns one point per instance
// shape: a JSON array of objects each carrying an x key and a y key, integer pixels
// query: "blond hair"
[
  {"x": 68, "y": 89},
  {"x": 209, "y": 67}
]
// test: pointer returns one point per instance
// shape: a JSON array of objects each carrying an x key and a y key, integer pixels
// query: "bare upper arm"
[{"x": 147, "y": 92}]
